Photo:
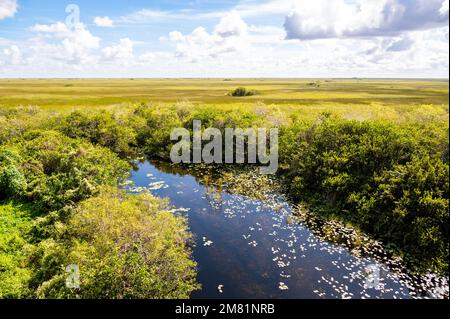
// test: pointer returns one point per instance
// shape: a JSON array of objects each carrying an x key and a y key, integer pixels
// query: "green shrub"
[
  {"x": 125, "y": 246},
  {"x": 242, "y": 92},
  {"x": 54, "y": 170},
  {"x": 154, "y": 129},
  {"x": 101, "y": 129},
  {"x": 154, "y": 125},
  {"x": 12, "y": 182},
  {"x": 15, "y": 220},
  {"x": 410, "y": 206},
  {"x": 391, "y": 180},
  {"x": 221, "y": 119}
]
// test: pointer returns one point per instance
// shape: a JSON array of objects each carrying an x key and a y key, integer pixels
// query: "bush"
[
  {"x": 154, "y": 126},
  {"x": 410, "y": 206},
  {"x": 101, "y": 129},
  {"x": 12, "y": 182},
  {"x": 54, "y": 170},
  {"x": 242, "y": 92},
  {"x": 391, "y": 180},
  {"x": 125, "y": 246},
  {"x": 15, "y": 220}
]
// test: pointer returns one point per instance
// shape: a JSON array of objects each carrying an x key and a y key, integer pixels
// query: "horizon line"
[{"x": 224, "y": 78}]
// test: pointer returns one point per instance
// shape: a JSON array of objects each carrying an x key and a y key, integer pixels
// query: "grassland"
[
  {"x": 77, "y": 93},
  {"x": 304, "y": 99}
]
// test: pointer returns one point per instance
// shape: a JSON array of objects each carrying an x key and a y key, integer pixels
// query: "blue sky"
[{"x": 242, "y": 38}]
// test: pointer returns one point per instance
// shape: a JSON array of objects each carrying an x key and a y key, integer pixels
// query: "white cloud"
[
  {"x": 13, "y": 54},
  {"x": 147, "y": 57},
  {"x": 148, "y": 15},
  {"x": 228, "y": 36},
  {"x": 104, "y": 22},
  {"x": 121, "y": 51},
  {"x": 258, "y": 8},
  {"x": 231, "y": 26},
  {"x": 404, "y": 43},
  {"x": 370, "y": 38},
  {"x": 321, "y": 19},
  {"x": 195, "y": 45},
  {"x": 444, "y": 8},
  {"x": 76, "y": 43},
  {"x": 176, "y": 36},
  {"x": 59, "y": 28},
  {"x": 244, "y": 9},
  {"x": 8, "y": 8},
  {"x": 58, "y": 47}
]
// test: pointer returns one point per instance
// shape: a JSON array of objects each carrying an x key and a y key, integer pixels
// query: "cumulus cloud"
[
  {"x": 147, "y": 57},
  {"x": 402, "y": 44},
  {"x": 121, "y": 51},
  {"x": 13, "y": 54},
  {"x": 321, "y": 19},
  {"x": 370, "y": 38},
  {"x": 78, "y": 47},
  {"x": 444, "y": 8},
  {"x": 228, "y": 36},
  {"x": 231, "y": 26},
  {"x": 8, "y": 8},
  {"x": 58, "y": 29},
  {"x": 104, "y": 22},
  {"x": 76, "y": 43},
  {"x": 176, "y": 36}
]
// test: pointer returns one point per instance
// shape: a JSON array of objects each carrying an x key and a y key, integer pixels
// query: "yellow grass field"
[
  {"x": 354, "y": 99},
  {"x": 101, "y": 92}
]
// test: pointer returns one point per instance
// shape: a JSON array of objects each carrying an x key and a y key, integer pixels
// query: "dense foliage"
[
  {"x": 15, "y": 222},
  {"x": 125, "y": 246},
  {"x": 154, "y": 125},
  {"x": 103, "y": 129},
  {"x": 241, "y": 92},
  {"x": 52, "y": 170},
  {"x": 60, "y": 205},
  {"x": 390, "y": 180}
]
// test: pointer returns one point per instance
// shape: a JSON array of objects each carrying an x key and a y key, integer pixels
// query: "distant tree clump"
[{"x": 241, "y": 92}]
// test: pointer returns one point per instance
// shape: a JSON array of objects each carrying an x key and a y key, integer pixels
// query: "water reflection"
[{"x": 252, "y": 247}]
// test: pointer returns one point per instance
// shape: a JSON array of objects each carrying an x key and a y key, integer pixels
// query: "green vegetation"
[
  {"x": 15, "y": 223},
  {"x": 104, "y": 129},
  {"x": 358, "y": 97},
  {"x": 126, "y": 247},
  {"x": 373, "y": 153},
  {"x": 53, "y": 171},
  {"x": 58, "y": 180},
  {"x": 390, "y": 180},
  {"x": 241, "y": 92}
]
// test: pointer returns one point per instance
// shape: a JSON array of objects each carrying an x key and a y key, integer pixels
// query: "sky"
[{"x": 240, "y": 38}]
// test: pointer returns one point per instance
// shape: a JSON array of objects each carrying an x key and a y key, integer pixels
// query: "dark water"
[{"x": 245, "y": 249}]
